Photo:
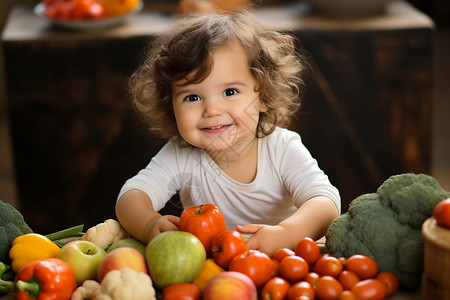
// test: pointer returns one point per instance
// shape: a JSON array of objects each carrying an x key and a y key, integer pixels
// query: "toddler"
[{"x": 222, "y": 89}]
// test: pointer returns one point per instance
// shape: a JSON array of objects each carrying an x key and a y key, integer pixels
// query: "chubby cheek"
[
  {"x": 187, "y": 126},
  {"x": 248, "y": 117}
]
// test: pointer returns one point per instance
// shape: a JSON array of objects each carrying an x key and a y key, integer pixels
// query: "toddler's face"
[{"x": 221, "y": 112}]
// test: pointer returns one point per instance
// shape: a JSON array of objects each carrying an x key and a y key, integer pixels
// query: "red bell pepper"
[
  {"x": 203, "y": 221},
  {"x": 45, "y": 279}
]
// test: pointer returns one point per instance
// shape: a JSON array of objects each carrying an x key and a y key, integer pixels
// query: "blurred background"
[{"x": 63, "y": 162}]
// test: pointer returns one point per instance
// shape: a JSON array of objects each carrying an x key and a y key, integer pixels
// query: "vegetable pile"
[
  {"x": 371, "y": 250},
  {"x": 386, "y": 226}
]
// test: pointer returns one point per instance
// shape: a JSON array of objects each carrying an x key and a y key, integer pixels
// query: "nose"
[{"x": 211, "y": 108}]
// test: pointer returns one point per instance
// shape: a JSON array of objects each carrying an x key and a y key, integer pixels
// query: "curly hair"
[{"x": 188, "y": 48}]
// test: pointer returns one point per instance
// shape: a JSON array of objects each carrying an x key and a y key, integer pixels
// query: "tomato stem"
[{"x": 199, "y": 210}]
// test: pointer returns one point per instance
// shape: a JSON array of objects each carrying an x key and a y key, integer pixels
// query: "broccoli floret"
[
  {"x": 386, "y": 226},
  {"x": 12, "y": 224}
]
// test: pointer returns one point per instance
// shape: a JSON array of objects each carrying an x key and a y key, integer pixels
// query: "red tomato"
[
  {"x": 63, "y": 10},
  {"x": 255, "y": 264},
  {"x": 225, "y": 245},
  {"x": 293, "y": 268},
  {"x": 441, "y": 213},
  {"x": 328, "y": 288},
  {"x": 312, "y": 278},
  {"x": 390, "y": 280},
  {"x": 81, "y": 9},
  {"x": 328, "y": 265},
  {"x": 275, "y": 267},
  {"x": 300, "y": 289},
  {"x": 275, "y": 289},
  {"x": 282, "y": 253},
  {"x": 50, "y": 11},
  {"x": 308, "y": 249},
  {"x": 362, "y": 265},
  {"x": 370, "y": 289},
  {"x": 182, "y": 291},
  {"x": 348, "y": 279},
  {"x": 203, "y": 221},
  {"x": 347, "y": 295},
  {"x": 96, "y": 11}
]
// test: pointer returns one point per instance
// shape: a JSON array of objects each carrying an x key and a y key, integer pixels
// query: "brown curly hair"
[{"x": 187, "y": 49}]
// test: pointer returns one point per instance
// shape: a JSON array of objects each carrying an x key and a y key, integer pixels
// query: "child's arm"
[
  {"x": 312, "y": 220},
  {"x": 135, "y": 212}
]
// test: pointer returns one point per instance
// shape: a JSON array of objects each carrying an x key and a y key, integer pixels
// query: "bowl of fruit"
[{"x": 87, "y": 14}]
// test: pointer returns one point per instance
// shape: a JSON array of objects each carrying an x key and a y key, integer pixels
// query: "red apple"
[
  {"x": 230, "y": 285},
  {"x": 123, "y": 257},
  {"x": 84, "y": 257}
]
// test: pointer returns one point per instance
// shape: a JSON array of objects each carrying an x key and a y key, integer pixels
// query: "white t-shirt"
[{"x": 287, "y": 176}]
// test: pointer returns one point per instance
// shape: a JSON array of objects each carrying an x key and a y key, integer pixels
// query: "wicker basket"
[{"x": 437, "y": 260}]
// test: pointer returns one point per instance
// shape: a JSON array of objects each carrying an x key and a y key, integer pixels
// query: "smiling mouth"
[{"x": 216, "y": 129}]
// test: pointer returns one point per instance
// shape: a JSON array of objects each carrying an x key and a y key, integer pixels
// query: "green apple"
[
  {"x": 174, "y": 257},
  {"x": 84, "y": 257},
  {"x": 128, "y": 242}
]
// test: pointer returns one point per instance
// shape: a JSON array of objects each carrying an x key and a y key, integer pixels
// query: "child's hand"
[
  {"x": 266, "y": 238},
  {"x": 164, "y": 223}
]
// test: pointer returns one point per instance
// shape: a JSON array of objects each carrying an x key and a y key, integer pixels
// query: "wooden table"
[{"x": 366, "y": 113}]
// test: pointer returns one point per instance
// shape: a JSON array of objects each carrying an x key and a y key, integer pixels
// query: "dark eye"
[
  {"x": 230, "y": 92},
  {"x": 192, "y": 98}
]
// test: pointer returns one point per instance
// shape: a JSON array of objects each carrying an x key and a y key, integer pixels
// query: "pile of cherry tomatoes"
[
  {"x": 73, "y": 9},
  {"x": 307, "y": 274},
  {"x": 86, "y": 9},
  {"x": 300, "y": 274}
]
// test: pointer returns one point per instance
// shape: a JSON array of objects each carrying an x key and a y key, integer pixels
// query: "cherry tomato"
[
  {"x": 347, "y": 295},
  {"x": 300, "y": 289},
  {"x": 275, "y": 289},
  {"x": 81, "y": 9},
  {"x": 96, "y": 11},
  {"x": 282, "y": 253},
  {"x": 182, "y": 291},
  {"x": 312, "y": 278},
  {"x": 293, "y": 268},
  {"x": 390, "y": 280},
  {"x": 328, "y": 288},
  {"x": 204, "y": 221},
  {"x": 275, "y": 267},
  {"x": 362, "y": 265},
  {"x": 328, "y": 265},
  {"x": 225, "y": 245},
  {"x": 370, "y": 289},
  {"x": 308, "y": 249},
  {"x": 63, "y": 10},
  {"x": 253, "y": 263},
  {"x": 441, "y": 213},
  {"x": 348, "y": 279}
]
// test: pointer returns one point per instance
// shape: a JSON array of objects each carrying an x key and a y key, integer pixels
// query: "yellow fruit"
[{"x": 117, "y": 7}]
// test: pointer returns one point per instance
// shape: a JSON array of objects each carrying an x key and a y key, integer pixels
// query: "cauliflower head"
[
  {"x": 386, "y": 226},
  {"x": 106, "y": 233},
  {"x": 126, "y": 284}
]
